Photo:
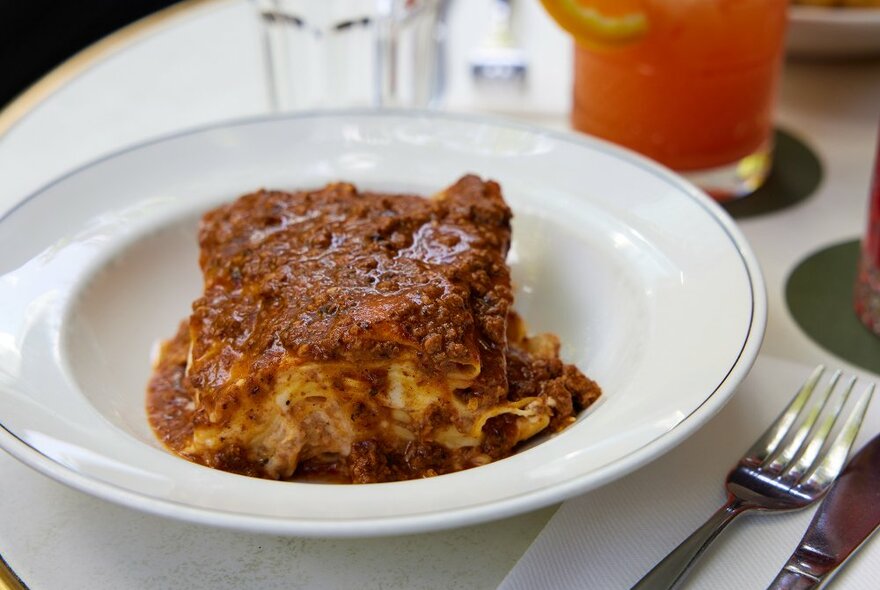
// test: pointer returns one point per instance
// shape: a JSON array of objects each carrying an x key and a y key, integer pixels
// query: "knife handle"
[{"x": 790, "y": 578}]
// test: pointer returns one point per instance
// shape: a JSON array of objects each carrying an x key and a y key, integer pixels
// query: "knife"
[{"x": 846, "y": 518}]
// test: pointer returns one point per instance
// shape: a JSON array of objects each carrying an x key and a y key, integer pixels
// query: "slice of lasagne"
[{"x": 360, "y": 337}]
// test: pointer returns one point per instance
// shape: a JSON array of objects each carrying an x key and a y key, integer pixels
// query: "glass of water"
[{"x": 353, "y": 53}]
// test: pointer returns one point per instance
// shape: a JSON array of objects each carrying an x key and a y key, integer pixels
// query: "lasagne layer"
[{"x": 358, "y": 337}]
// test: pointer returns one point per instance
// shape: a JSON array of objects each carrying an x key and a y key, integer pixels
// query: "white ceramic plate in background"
[
  {"x": 816, "y": 31},
  {"x": 650, "y": 286}
]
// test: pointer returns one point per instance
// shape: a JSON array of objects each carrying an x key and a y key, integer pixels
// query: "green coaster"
[
  {"x": 819, "y": 293},
  {"x": 795, "y": 175}
]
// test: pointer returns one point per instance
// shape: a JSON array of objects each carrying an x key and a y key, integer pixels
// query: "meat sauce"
[{"x": 338, "y": 278}]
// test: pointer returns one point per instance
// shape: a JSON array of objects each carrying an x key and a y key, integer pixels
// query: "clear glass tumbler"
[
  {"x": 350, "y": 53},
  {"x": 867, "y": 291}
]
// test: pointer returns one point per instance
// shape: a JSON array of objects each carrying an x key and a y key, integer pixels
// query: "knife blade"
[{"x": 847, "y": 518}]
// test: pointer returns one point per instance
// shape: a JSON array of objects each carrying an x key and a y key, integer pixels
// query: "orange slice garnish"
[{"x": 592, "y": 25}]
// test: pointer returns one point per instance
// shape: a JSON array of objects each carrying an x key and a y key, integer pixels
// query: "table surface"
[{"x": 201, "y": 64}]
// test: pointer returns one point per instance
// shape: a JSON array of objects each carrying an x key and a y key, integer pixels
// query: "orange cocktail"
[{"x": 690, "y": 83}]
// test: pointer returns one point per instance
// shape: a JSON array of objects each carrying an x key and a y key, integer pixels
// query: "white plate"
[
  {"x": 815, "y": 31},
  {"x": 651, "y": 287}
]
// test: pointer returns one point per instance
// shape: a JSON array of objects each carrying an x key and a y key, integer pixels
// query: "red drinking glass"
[{"x": 867, "y": 291}]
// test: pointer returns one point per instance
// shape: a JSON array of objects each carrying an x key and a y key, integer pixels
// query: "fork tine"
[
  {"x": 817, "y": 439},
  {"x": 824, "y": 473},
  {"x": 774, "y": 435},
  {"x": 780, "y": 460}
]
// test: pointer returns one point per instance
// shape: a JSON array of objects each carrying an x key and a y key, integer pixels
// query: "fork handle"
[{"x": 672, "y": 570}]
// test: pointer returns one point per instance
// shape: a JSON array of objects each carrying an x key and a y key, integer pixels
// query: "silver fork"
[{"x": 789, "y": 467}]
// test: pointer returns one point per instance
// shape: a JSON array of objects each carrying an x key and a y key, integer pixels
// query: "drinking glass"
[
  {"x": 350, "y": 53},
  {"x": 867, "y": 291},
  {"x": 689, "y": 83}
]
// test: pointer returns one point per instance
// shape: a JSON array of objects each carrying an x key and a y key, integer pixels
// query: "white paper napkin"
[{"x": 609, "y": 538}]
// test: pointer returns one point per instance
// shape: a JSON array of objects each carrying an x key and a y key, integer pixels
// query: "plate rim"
[{"x": 371, "y": 526}]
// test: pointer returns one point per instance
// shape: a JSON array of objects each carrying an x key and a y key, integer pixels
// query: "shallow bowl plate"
[{"x": 652, "y": 289}]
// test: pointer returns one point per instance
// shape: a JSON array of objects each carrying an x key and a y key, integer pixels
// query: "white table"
[{"x": 201, "y": 64}]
